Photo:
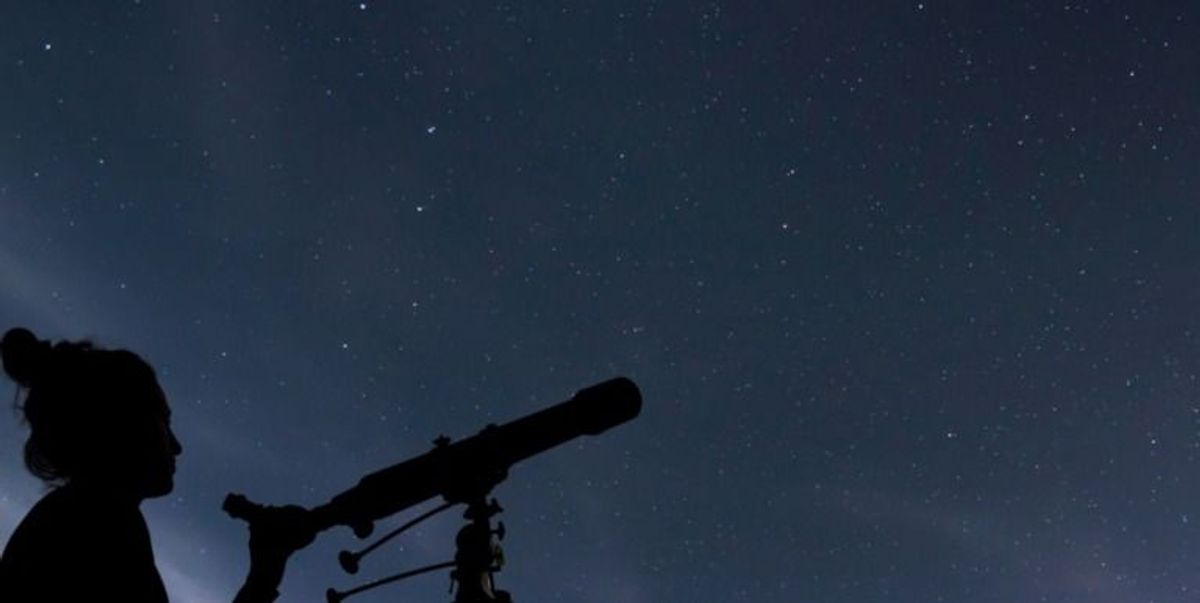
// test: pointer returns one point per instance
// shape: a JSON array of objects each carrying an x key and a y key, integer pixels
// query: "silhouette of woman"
[{"x": 100, "y": 437}]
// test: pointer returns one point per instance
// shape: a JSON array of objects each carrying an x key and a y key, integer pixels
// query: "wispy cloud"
[
  {"x": 1086, "y": 568},
  {"x": 25, "y": 290},
  {"x": 182, "y": 587}
]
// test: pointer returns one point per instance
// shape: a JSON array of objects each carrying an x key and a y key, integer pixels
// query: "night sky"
[{"x": 912, "y": 292}]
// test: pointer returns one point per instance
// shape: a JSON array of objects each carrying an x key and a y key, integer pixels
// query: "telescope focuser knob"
[
  {"x": 441, "y": 441},
  {"x": 500, "y": 530},
  {"x": 364, "y": 529},
  {"x": 348, "y": 561}
]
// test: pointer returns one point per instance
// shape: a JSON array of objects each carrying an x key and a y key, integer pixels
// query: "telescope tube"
[{"x": 471, "y": 467}]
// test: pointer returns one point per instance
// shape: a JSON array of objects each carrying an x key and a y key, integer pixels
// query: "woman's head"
[{"x": 94, "y": 415}]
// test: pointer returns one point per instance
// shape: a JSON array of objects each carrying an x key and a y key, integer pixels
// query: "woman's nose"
[{"x": 176, "y": 447}]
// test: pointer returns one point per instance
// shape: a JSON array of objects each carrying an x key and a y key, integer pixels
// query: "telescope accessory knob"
[
  {"x": 348, "y": 561},
  {"x": 238, "y": 506},
  {"x": 333, "y": 596},
  {"x": 441, "y": 441},
  {"x": 500, "y": 530},
  {"x": 363, "y": 529}
]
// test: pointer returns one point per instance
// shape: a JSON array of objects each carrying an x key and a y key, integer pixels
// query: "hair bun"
[{"x": 24, "y": 355}]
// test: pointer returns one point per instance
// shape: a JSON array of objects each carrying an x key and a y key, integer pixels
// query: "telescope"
[{"x": 462, "y": 472}]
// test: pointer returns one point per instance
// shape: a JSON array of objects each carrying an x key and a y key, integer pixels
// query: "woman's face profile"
[
  {"x": 145, "y": 463},
  {"x": 162, "y": 448}
]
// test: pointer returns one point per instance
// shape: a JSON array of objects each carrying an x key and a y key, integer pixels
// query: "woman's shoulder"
[
  {"x": 51, "y": 513},
  {"x": 36, "y": 546},
  {"x": 48, "y": 524},
  {"x": 71, "y": 507},
  {"x": 73, "y": 540},
  {"x": 70, "y": 520}
]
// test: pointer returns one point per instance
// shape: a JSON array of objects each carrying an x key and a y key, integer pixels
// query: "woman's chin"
[{"x": 160, "y": 487}]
